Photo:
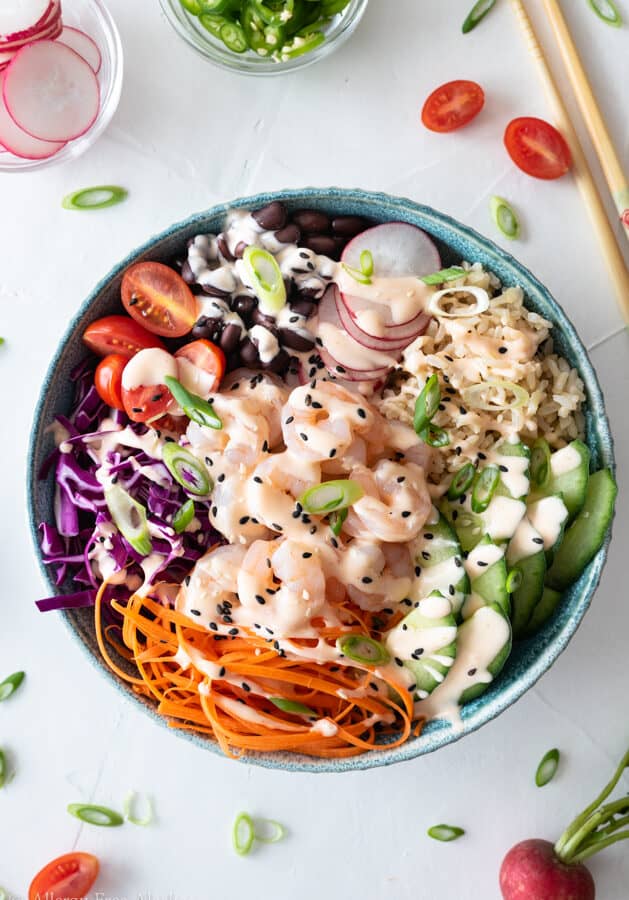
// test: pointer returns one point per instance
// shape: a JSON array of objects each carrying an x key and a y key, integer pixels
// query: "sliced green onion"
[
  {"x": 607, "y": 11},
  {"x": 233, "y": 37},
  {"x": 366, "y": 263},
  {"x": 363, "y": 649},
  {"x": 357, "y": 275},
  {"x": 196, "y": 408},
  {"x": 95, "y": 197},
  {"x": 10, "y": 685},
  {"x": 96, "y": 815},
  {"x": 484, "y": 488},
  {"x": 268, "y": 831},
  {"x": 443, "y": 275},
  {"x": 479, "y": 396},
  {"x": 3, "y": 894},
  {"x": 547, "y": 768},
  {"x": 292, "y": 706},
  {"x": 540, "y": 462},
  {"x": 505, "y": 217},
  {"x": 435, "y": 436},
  {"x": 243, "y": 833},
  {"x": 461, "y": 481},
  {"x": 186, "y": 469},
  {"x": 183, "y": 516},
  {"x": 477, "y": 14},
  {"x": 266, "y": 279},
  {"x": 3, "y": 769},
  {"x": 130, "y": 518},
  {"x": 127, "y": 810},
  {"x": 336, "y": 520},
  {"x": 514, "y": 580},
  {"x": 331, "y": 496},
  {"x": 445, "y": 833},
  {"x": 427, "y": 403},
  {"x": 460, "y": 312}
]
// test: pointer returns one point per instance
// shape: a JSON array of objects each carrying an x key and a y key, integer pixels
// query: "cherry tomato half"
[
  {"x": 118, "y": 334},
  {"x": 159, "y": 299},
  {"x": 537, "y": 148},
  {"x": 453, "y": 105},
  {"x": 67, "y": 876},
  {"x": 201, "y": 367},
  {"x": 144, "y": 393},
  {"x": 108, "y": 379}
]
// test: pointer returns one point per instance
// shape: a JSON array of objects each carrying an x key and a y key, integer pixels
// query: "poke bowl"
[{"x": 448, "y": 519}]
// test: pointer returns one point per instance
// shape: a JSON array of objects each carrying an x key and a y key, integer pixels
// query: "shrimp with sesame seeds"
[
  {"x": 213, "y": 583},
  {"x": 274, "y": 486},
  {"x": 376, "y": 576},
  {"x": 267, "y": 391},
  {"x": 395, "y": 506}
]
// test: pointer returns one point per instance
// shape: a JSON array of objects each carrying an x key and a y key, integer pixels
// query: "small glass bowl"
[
  {"x": 92, "y": 17},
  {"x": 190, "y": 29}
]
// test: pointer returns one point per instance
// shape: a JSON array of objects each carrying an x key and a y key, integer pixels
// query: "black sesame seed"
[
  {"x": 503, "y": 468},
  {"x": 303, "y": 436},
  {"x": 260, "y": 600},
  {"x": 332, "y": 452},
  {"x": 451, "y": 590},
  {"x": 404, "y": 627},
  {"x": 412, "y": 688},
  {"x": 457, "y": 562},
  {"x": 361, "y": 412},
  {"x": 538, "y": 540},
  {"x": 418, "y": 571},
  {"x": 214, "y": 510},
  {"x": 308, "y": 400},
  {"x": 137, "y": 409},
  {"x": 481, "y": 455},
  {"x": 195, "y": 612},
  {"x": 227, "y": 620},
  {"x": 398, "y": 661},
  {"x": 401, "y": 479},
  {"x": 221, "y": 477},
  {"x": 471, "y": 672},
  {"x": 233, "y": 631},
  {"x": 276, "y": 527},
  {"x": 265, "y": 447},
  {"x": 213, "y": 626},
  {"x": 289, "y": 420},
  {"x": 334, "y": 542},
  {"x": 313, "y": 530},
  {"x": 406, "y": 513},
  {"x": 221, "y": 671},
  {"x": 156, "y": 398},
  {"x": 428, "y": 535},
  {"x": 425, "y": 555},
  {"x": 317, "y": 405},
  {"x": 455, "y": 515},
  {"x": 243, "y": 520},
  {"x": 341, "y": 370},
  {"x": 257, "y": 479},
  {"x": 245, "y": 686},
  {"x": 366, "y": 579},
  {"x": 502, "y": 350},
  {"x": 186, "y": 579},
  {"x": 481, "y": 563},
  {"x": 268, "y": 563},
  {"x": 458, "y": 451},
  {"x": 306, "y": 555}
]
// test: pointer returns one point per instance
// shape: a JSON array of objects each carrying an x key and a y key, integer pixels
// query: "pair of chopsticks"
[{"x": 599, "y": 134}]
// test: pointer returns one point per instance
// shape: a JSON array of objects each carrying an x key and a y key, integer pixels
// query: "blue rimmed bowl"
[{"x": 530, "y": 659}]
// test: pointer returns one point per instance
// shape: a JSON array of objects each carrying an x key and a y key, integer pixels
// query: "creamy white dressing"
[
  {"x": 525, "y": 542},
  {"x": 404, "y": 297},
  {"x": 266, "y": 342},
  {"x": 564, "y": 460},
  {"x": 354, "y": 355},
  {"x": 548, "y": 516},
  {"x": 481, "y": 558},
  {"x": 513, "y": 472},
  {"x": 148, "y": 368},
  {"x": 502, "y": 517}
]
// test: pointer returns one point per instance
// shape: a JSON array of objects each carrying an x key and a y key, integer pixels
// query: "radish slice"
[
  {"x": 51, "y": 92},
  {"x": 387, "y": 345},
  {"x": 20, "y": 16},
  {"x": 397, "y": 248},
  {"x": 338, "y": 369},
  {"x": 409, "y": 330},
  {"x": 19, "y": 142},
  {"x": 82, "y": 44}
]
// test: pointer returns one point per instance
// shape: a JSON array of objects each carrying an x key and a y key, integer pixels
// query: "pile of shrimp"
[{"x": 246, "y": 650}]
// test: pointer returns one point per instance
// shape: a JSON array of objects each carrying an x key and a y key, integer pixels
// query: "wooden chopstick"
[
  {"x": 616, "y": 178},
  {"x": 611, "y": 251}
]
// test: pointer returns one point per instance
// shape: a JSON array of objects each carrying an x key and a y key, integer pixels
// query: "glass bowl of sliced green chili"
[{"x": 264, "y": 37}]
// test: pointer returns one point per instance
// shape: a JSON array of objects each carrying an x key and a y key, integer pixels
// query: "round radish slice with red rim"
[
  {"x": 340, "y": 370},
  {"x": 364, "y": 314},
  {"x": 51, "y": 92},
  {"x": 20, "y": 17},
  {"x": 387, "y": 345},
  {"x": 19, "y": 142},
  {"x": 397, "y": 249},
  {"x": 82, "y": 44}
]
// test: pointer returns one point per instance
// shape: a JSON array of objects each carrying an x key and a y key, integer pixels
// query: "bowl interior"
[
  {"x": 92, "y": 17},
  {"x": 531, "y": 658}
]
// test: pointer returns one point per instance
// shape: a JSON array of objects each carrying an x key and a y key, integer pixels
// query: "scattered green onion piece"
[
  {"x": 196, "y": 408},
  {"x": 127, "y": 811},
  {"x": 277, "y": 831},
  {"x": 243, "y": 834},
  {"x": 474, "y": 395},
  {"x": 183, "y": 516},
  {"x": 233, "y": 37},
  {"x": 292, "y": 706},
  {"x": 505, "y": 217},
  {"x": 607, "y": 11},
  {"x": 477, "y": 14},
  {"x": 514, "y": 580},
  {"x": 3, "y": 894},
  {"x": 96, "y": 815},
  {"x": 266, "y": 279},
  {"x": 547, "y": 768},
  {"x": 130, "y": 518},
  {"x": 461, "y": 481},
  {"x": 435, "y": 436},
  {"x": 443, "y": 275},
  {"x": 427, "y": 403},
  {"x": 186, "y": 469},
  {"x": 484, "y": 488},
  {"x": 10, "y": 685},
  {"x": 540, "y": 462},
  {"x": 366, "y": 263},
  {"x": 331, "y": 496},
  {"x": 363, "y": 649},
  {"x": 336, "y": 520},
  {"x": 98, "y": 197},
  {"x": 358, "y": 276},
  {"x": 445, "y": 833},
  {"x": 3, "y": 769}
]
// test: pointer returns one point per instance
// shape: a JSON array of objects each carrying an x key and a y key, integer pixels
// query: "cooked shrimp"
[
  {"x": 268, "y": 392},
  {"x": 395, "y": 506},
  {"x": 231, "y": 512},
  {"x": 273, "y": 489},
  {"x": 242, "y": 439},
  {"x": 376, "y": 577},
  {"x": 214, "y": 580}
]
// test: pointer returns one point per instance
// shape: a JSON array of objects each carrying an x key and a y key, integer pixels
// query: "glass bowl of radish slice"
[{"x": 61, "y": 69}]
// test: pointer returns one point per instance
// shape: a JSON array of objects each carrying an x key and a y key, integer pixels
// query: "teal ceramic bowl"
[{"x": 530, "y": 659}]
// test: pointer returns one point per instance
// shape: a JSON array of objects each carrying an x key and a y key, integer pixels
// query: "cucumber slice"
[
  {"x": 425, "y": 640},
  {"x": 500, "y": 520},
  {"x": 487, "y": 570},
  {"x": 466, "y": 524},
  {"x": 486, "y": 634},
  {"x": 526, "y": 553},
  {"x": 569, "y": 474},
  {"x": 549, "y": 517},
  {"x": 438, "y": 559},
  {"x": 515, "y": 458},
  {"x": 586, "y": 535},
  {"x": 543, "y": 611}
]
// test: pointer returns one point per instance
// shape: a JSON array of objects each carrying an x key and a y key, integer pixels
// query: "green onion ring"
[
  {"x": 360, "y": 277},
  {"x": 278, "y": 831},
  {"x": 331, "y": 496},
  {"x": 363, "y": 649},
  {"x": 266, "y": 279},
  {"x": 292, "y": 706},
  {"x": 127, "y": 810},
  {"x": 10, "y": 685},
  {"x": 92, "y": 197},
  {"x": 186, "y": 469},
  {"x": 444, "y": 275},
  {"x": 96, "y": 815},
  {"x": 485, "y": 485},
  {"x": 505, "y": 217},
  {"x": 435, "y": 436},
  {"x": 183, "y": 516},
  {"x": 196, "y": 408},
  {"x": 547, "y": 768},
  {"x": 427, "y": 403},
  {"x": 243, "y": 834},
  {"x": 445, "y": 833},
  {"x": 129, "y": 517},
  {"x": 461, "y": 481},
  {"x": 607, "y": 11},
  {"x": 336, "y": 520},
  {"x": 540, "y": 462},
  {"x": 477, "y": 14},
  {"x": 366, "y": 263},
  {"x": 473, "y": 395},
  {"x": 514, "y": 580}
]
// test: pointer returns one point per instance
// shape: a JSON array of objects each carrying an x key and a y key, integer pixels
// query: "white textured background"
[{"x": 187, "y": 135}]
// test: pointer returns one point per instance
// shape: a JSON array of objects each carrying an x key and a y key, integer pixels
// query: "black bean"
[
  {"x": 214, "y": 291},
  {"x": 272, "y": 216},
  {"x": 321, "y": 244},
  {"x": 348, "y": 226},
  {"x": 311, "y": 221},
  {"x": 266, "y": 321},
  {"x": 187, "y": 274},
  {"x": 243, "y": 305},
  {"x": 279, "y": 364},
  {"x": 240, "y": 248},
  {"x": 303, "y": 307},
  {"x": 249, "y": 353},
  {"x": 290, "y": 234},
  {"x": 223, "y": 249},
  {"x": 204, "y": 331},
  {"x": 296, "y": 340},
  {"x": 230, "y": 337}
]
